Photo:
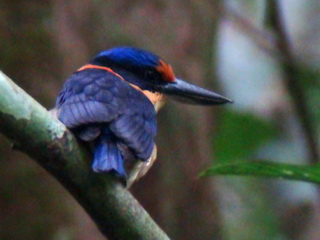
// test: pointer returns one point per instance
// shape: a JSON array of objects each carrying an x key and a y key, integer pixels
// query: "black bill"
[{"x": 188, "y": 93}]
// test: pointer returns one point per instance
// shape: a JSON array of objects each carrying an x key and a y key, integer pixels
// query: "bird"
[{"x": 111, "y": 103}]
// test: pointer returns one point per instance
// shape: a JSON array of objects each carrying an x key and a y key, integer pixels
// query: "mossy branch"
[{"x": 35, "y": 132}]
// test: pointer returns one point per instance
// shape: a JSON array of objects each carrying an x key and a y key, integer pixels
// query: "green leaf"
[
  {"x": 266, "y": 169},
  {"x": 239, "y": 135}
]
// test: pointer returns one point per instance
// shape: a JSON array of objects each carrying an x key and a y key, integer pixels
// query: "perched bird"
[{"x": 112, "y": 103}]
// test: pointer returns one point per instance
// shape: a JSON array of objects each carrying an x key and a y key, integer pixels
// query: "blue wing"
[{"x": 94, "y": 99}]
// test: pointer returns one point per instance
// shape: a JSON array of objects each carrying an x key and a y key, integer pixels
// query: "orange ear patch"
[
  {"x": 154, "y": 97},
  {"x": 166, "y": 71}
]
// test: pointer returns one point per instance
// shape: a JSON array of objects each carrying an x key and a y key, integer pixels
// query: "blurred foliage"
[
  {"x": 309, "y": 77},
  {"x": 239, "y": 136}
]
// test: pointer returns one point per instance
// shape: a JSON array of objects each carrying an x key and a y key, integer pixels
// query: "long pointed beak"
[{"x": 189, "y": 93}]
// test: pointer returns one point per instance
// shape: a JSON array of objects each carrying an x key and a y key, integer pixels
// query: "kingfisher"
[{"x": 112, "y": 102}]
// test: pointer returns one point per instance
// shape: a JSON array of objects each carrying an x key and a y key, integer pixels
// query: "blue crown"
[{"x": 130, "y": 56}]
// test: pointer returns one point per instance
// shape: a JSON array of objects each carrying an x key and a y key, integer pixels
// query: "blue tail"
[{"x": 107, "y": 157}]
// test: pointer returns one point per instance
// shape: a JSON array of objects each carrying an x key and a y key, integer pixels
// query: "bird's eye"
[
  {"x": 152, "y": 75},
  {"x": 149, "y": 74}
]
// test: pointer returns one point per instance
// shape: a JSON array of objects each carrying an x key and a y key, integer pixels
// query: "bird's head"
[{"x": 149, "y": 72}]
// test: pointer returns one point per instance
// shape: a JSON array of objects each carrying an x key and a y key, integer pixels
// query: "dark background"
[{"x": 221, "y": 45}]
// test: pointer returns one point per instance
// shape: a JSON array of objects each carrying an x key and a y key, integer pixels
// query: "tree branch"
[
  {"x": 292, "y": 80},
  {"x": 262, "y": 38},
  {"x": 280, "y": 48},
  {"x": 35, "y": 132}
]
